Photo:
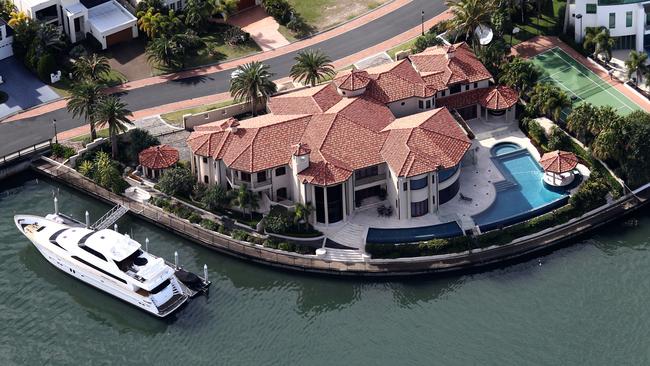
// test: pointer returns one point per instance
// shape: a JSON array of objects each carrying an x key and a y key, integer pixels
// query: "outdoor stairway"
[
  {"x": 343, "y": 255},
  {"x": 350, "y": 235},
  {"x": 110, "y": 217},
  {"x": 504, "y": 185}
]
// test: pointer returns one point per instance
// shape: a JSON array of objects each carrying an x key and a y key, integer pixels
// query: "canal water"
[{"x": 587, "y": 304}]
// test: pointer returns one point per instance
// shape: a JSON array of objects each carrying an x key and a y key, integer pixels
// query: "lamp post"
[
  {"x": 515, "y": 30},
  {"x": 579, "y": 17},
  {"x": 422, "y": 22},
  {"x": 56, "y": 138}
]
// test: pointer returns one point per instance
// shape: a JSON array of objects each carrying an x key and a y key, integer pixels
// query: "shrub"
[
  {"x": 62, "y": 151},
  {"x": 45, "y": 66},
  {"x": 559, "y": 140},
  {"x": 177, "y": 181},
  {"x": 298, "y": 25},
  {"x": 287, "y": 247},
  {"x": 239, "y": 235},
  {"x": 280, "y": 10},
  {"x": 215, "y": 198},
  {"x": 537, "y": 133},
  {"x": 209, "y": 224},
  {"x": 271, "y": 243},
  {"x": 590, "y": 195},
  {"x": 195, "y": 218},
  {"x": 77, "y": 51},
  {"x": 425, "y": 41},
  {"x": 182, "y": 211},
  {"x": 236, "y": 36},
  {"x": 278, "y": 221}
]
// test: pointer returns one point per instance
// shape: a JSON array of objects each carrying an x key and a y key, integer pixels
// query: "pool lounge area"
[{"x": 520, "y": 195}]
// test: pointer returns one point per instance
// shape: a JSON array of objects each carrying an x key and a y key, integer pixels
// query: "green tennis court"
[{"x": 579, "y": 82}]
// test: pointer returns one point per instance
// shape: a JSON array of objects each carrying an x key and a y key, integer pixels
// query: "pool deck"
[{"x": 476, "y": 181}]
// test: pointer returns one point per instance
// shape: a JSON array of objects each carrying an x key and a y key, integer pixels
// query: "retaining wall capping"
[{"x": 473, "y": 259}]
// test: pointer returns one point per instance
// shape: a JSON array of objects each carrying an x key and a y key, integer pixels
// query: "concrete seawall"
[{"x": 465, "y": 261}]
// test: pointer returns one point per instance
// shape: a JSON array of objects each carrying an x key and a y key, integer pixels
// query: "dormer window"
[
  {"x": 245, "y": 177},
  {"x": 454, "y": 89}
]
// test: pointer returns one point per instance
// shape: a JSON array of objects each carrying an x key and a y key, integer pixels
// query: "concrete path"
[
  {"x": 262, "y": 28},
  {"x": 356, "y": 40}
]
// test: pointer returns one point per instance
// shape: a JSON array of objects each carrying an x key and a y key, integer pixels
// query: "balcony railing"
[
  {"x": 252, "y": 185},
  {"x": 368, "y": 180}
]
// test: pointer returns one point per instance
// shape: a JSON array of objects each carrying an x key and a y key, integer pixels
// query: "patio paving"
[
  {"x": 25, "y": 90},
  {"x": 262, "y": 28}
]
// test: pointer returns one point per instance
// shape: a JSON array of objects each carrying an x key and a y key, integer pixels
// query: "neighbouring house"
[
  {"x": 156, "y": 159},
  {"x": 379, "y": 134},
  {"x": 105, "y": 20},
  {"x": 628, "y": 21},
  {"x": 6, "y": 39}
]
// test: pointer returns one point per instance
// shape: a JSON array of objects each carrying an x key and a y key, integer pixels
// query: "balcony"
[
  {"x": 379, "y": 178},
  {"x": 253, "y": 186}
]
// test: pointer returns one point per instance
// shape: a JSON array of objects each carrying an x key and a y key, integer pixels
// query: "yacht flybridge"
[{"x": 111, "y": 262}]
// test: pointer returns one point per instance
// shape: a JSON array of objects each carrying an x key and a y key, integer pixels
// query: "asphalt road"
[{"x": 23, "y": 133}]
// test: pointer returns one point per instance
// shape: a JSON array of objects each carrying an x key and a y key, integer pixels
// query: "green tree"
[
  {"x": 154, "y": 23},
  {"x": 196, "y": 13},
  {"x": 177, "y": 181},
  {"x": 215, "y": 198},
  {"x": 468, "y": 15},
  {"x": 580, "y": 120},
  {"x": 48, "y": 40},
  {"x": 106, "y": 173},
  {"x": 83, "y": 101},
  {"x": 598, "y": 42},
  {"x": 493, "y": 55},
  {"x": 589, "y": 40},
  {"x": 303, "y": 212},
  {"x": 635, "y": 161},
  {"x": 253, "y": 84},
  {"x": 92, "y": 68},
  {"x": 140, "y": 140},
  {"x": 6, "y": 8},
  {"x": 46, "y": 66},
  {"x": 425, "y": 41},
  {"x": 171, "y": 52},
  {"x": 519, "y": 74},
  {"x": 558, "y": 140},
  {"x": 311, "y": 67},
  {"x": 112, "y": 112},
  {"x": 246, "y": 200},
  {"x": 548, "y": 100},
  {"x": 590, "y": 195},
  {"x": 225, "y": 8},
  {"x": 635, "y": 64}
]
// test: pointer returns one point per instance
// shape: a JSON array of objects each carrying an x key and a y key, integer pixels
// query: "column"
[
  {"x": 640, "y": 27},
  {"x": 429, "y": 195},
  {"x": 437, "y": 192},
  {"x": 327, "y": 218}
]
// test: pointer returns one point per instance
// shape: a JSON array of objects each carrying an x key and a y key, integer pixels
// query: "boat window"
[
  {"x": 56, "y": 235},
  {"x": 98, "y": 269},
  {"x": 40, "y": 228},
  {"x": 82, "y": 245},
  {"x": 160, "y": 287},
  {"x": 127, "y": 263}
]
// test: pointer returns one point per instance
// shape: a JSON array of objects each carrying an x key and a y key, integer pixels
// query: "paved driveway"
[{"x": 24, "y": 89}]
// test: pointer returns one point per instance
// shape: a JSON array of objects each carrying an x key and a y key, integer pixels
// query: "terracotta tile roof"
[
  {"x": 352, "y": 80},
  {"x": 300, "y": 149},
  {"x": 364, "y": 111},
  {"x": 461, "y": 100},
  {"x": 397, "y": 81},
  {"x": 306, "y": 101},
  {"x": 441, "y": 66},
  {"x": 558, "y": 161},
  {"x": 498, "y": 97},
  {"x": 158, "y": 157},
  {"x": 421, "y": 143}
]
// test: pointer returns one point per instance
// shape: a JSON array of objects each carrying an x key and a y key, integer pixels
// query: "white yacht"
[{"x": 109, "y": 261}]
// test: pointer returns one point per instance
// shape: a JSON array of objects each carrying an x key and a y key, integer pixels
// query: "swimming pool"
[
  {"x": 523, "y": 194},
  {"x": 504, "y": 148}
]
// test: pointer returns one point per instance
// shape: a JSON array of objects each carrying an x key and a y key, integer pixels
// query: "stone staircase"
[
  {"x": 343, "y": 255},
  {"x": 350, "y": 235},
  {"x": 504, "y": 185}
]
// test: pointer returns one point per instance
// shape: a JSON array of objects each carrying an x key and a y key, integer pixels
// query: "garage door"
[
  {"x": 121, "y": 36},
  {"x": 6, "y": 51},
  {"x": 245, "y": 4}
]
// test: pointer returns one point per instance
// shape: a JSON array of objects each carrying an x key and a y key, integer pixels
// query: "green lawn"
[
  {"x": 176, "y": 118},
  {"x": 404, "y": 46},
  {"x": 547, "y": 24},
  {"x": 86, "y": 137},
  {"x": 63, "y": 87},
  {"x": 324, "y": 14}
]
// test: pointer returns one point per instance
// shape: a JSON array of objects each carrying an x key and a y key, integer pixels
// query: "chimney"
[
  {"x": 230, "y": 125},
  {"x": 300, "y": 157},
  {"x": 451, "y": 52}
]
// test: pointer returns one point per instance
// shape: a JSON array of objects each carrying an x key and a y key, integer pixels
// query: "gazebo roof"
[
  {"x": 158, "y": 157},
  {"x": 558, "y": 161},
  {"x": 352, "y": 80},
  {"x": 499, "y": 98}
]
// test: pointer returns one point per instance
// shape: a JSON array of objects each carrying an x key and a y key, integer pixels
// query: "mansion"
[{"x": 393, "y": 133}]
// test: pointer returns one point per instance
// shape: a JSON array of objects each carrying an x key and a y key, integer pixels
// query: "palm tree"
[
  {"x": 303, "y": 212},
  {"x": 603, "y": 44},
  {"x": 91, "y": 67},
  {"x": 636, "y": 64},
  {"x": 246, "y": 200},
  {"x": 311, "y": 67},
  {"x": 556, "y": 104},
  {"x": 148, "y": 22},
  {"x": 252, "y": 84},
  {"x": 17, "y": 17},
  {"x": 589, "y": 40},
  {"x": 165, "y": 51},
  {"x": 112, "y": 112},
  {"x": 83, "y": 101},
  {"x": 48, "y": 39},
  {"x": 196, "y": 13},
  {"x": 225, "y": 8},
  {"x": 519, "y": 74},
  {"x": 579, "y": 121},
  {"x": 468, "y": 15}
]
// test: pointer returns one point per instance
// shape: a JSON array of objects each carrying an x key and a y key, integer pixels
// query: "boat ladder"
[{"x": 110, "y": 217}]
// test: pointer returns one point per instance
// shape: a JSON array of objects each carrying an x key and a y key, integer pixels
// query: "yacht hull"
[{"x": 101, "y": 282}]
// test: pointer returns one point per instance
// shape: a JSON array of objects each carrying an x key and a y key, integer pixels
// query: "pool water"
[
  {"x": 504, "y": 148},
  {"x": 526, "y": 198}
]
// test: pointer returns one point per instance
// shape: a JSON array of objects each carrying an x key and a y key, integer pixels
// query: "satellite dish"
[{"x": 484, "y": 34}]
